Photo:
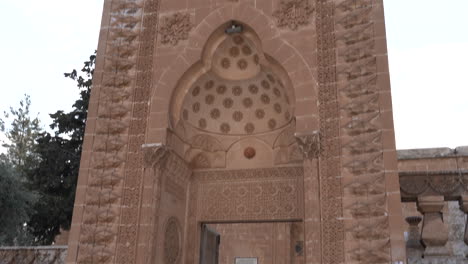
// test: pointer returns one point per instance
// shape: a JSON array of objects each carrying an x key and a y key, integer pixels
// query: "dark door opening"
[
  {"x": 209, "y": 247},
  {"x": 252, "y": 243}
]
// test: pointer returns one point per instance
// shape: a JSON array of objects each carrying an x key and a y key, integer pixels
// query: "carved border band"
[{"x": 330, "y": 184}]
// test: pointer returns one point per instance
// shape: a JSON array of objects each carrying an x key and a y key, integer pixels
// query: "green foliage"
[
  {"x": 21, "y": 136},
  {"x": 16, "y": 201},
  {"x": 59, "y": 153},
  {"x": 15, "y": 206}
]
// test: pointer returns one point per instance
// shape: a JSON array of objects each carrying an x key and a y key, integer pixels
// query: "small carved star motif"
[
  {"x": 293, "y": 13},
  {"x": 175, "y": 28}
]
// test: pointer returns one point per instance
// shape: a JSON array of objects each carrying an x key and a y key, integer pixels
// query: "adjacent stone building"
[{"x": 433, "y": 186}]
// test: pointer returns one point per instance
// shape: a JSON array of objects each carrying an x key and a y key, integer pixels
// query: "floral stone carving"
[
  {"x": 155, "y": 155},
  {"x": 293, "y": 13},
  {"x": 309, "y": 144},
  {"x": 175, "y": 28}
]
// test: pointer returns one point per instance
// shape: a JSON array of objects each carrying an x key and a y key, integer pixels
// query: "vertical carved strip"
[
  {"x": 330, "y": 182},
  {"x": 365, "y": 200},
  {"x": 128, "y": 242},
  {"x": 309, "y": 144},
  {"x": 103, "y": 197}
]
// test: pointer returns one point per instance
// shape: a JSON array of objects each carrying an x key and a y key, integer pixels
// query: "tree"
[
  {"x": 16, "y": 201},
  {"x": 59, "y": 153},
  {"x": 15, "y": 205},
  {"x": 21, "y": 136}
]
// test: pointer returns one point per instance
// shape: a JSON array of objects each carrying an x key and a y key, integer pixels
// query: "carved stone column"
[
  {"x": 155, "y": 158},
  {"x": 309, "y": 143},
  {"x": 464, "y": 207},
  {"x": 434, "y": 232},
  {"x": 413, "y": 232}
]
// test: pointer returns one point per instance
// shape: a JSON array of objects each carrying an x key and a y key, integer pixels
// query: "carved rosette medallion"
[
  {"x": 175, "y": 28},
  {"x": 172, "y": 239},
  {"x": 293, "y": 13},
  {"x": 309, "y": 144}
]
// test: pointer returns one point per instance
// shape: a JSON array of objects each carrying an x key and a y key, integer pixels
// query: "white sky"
[{"x": 427, "y": 43}]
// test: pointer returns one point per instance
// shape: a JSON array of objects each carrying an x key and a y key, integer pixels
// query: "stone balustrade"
[{"x": 431, "y": 179}]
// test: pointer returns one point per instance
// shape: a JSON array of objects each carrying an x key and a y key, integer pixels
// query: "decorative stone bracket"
[
  {"x": 434, "y": 232},
  {"x": 155, "y": 155},
  {"x": 309, "y": 144}
]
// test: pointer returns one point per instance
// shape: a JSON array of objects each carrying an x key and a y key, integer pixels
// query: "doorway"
[{"x": 252, "y": 243}]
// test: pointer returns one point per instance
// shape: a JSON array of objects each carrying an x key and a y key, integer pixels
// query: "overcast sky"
[{"x": 427, "y": 43}]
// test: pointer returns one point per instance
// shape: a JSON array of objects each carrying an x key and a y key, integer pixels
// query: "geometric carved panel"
[
  {"x": 247, "y": 195},
  {"x": 172, "y": 241}
]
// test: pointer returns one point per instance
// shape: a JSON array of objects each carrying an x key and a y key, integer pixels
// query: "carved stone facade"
[{"x": 240, "y": 112}]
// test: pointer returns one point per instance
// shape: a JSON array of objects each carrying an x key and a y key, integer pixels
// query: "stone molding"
[{"x": 407, "y": 154}]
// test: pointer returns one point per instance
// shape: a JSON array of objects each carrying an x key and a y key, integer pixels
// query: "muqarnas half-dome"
[{"x": 239, "y": 95}]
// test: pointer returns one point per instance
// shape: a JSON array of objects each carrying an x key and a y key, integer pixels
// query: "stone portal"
[{"x": 272, "y": 116}]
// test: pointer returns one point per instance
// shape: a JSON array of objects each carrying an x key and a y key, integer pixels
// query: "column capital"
[
  {"x": 155, "y": 155},
  {"x": 309, "y": 144}
]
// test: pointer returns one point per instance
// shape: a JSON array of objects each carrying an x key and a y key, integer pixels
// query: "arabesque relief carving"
[
  {"x": 99, "y": 230},
  {"x": 141, "y": 76},
  {"x": 362, "y": 160},
  {"x": 175, "y": 28},
  {"x": 332, "y": 229},
  {"x": 255, "y": 194},
  {"x": 293, "y": 13}
]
